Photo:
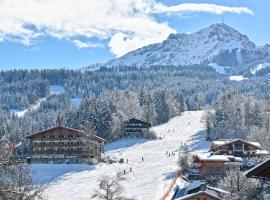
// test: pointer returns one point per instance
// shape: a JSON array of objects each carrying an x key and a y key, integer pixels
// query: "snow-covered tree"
[{"x": 239, "y": 187}]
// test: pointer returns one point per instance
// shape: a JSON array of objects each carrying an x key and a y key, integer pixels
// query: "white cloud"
[
  {"x": 127, "y": 24},
  {"x": 82, "y": 45},
  {"x": 200, "y": 7}
]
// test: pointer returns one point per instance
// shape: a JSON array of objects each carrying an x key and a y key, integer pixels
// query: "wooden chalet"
[
  {"x": 238, "y": 147},
  {"x": 205, "y": 164},
  {"x": 261, "y": 171},
  {"x": 135, "y": 128},
  {"x": 61, "y": 144}
]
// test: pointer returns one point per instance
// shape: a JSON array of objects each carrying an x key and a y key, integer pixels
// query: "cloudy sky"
[{"x": 75, "y": 33}]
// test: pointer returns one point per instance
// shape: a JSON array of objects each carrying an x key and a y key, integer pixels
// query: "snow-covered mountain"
[{"x": 218, "y": 43}]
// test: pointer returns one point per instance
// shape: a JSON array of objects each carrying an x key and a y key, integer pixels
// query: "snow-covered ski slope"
[{"x": 149, "y": 178}]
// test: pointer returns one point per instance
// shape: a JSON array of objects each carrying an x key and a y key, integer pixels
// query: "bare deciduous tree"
[
  {"x": 110, "y": 188},
  {"x": 15, "y": 179}
]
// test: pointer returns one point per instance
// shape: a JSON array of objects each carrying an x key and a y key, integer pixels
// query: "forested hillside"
[{"x": 111, "y": 95}]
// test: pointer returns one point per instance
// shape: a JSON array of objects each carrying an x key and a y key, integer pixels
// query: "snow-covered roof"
[
  {"x": 218, "y": 158},
  {"x": 217, "y": 189},
  {"x": 194, "y": 184},
  {"x": 199, "y": 193},
  {"x": 228, "y": 141},
  {"x": 260, "y": 169},
  {"x": 262, "y": 152},
  {"x": 183, "y": 190}
]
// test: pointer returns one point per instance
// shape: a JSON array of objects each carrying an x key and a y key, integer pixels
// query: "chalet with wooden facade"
[
  {"x": 238, "y": 147},
  {"x": 61, "y": 144},
  {"x": 135, "y": 128},
  {"x": 205, "y": 164}
]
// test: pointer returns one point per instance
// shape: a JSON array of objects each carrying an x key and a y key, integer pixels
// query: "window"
[{"x": 238, "y": 146}]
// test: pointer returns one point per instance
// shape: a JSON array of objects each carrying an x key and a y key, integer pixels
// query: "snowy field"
[
  {"x": 219, "y": 69},
  {"x": 56, "y": 89},
  {"x": 148, "y": 179},
  {"x": 237, "y": 78}
]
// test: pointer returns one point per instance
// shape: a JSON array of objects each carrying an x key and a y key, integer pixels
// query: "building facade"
[
  {"x": 135, "y": 128},
  {"x": 208, "y": 164},
  {"x": 238, "y": 147},
  {"x": 61, "y": 144}
]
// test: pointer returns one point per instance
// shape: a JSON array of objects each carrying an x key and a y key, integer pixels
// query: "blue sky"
[{"x": 76, "y": 33}]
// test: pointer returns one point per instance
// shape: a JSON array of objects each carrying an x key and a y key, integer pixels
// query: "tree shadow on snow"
[
  {"x": 46, "y": 173},
  {"x": 197, "y": 142}
]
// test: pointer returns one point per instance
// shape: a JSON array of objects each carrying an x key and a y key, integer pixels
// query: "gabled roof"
[
  {"x": 184, "y": 189},
  {"x": 199, "y": 193},
  {"x": 217, "y": 158},
  {"x": 261, "y": 170},
  {"x": 225, "y": 142},
  {"x": 65, "y": 128}
]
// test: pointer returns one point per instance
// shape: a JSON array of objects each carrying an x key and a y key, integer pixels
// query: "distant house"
[
  {"x": 205, "y": 164},
  {"x": 261, "y": 171},
  {"x": 62, "y": 144},
  {"x": 238, "y": 147},
  {"x": 135, "y": 128}
]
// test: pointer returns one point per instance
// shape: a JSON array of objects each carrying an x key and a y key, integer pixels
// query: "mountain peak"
[{"x": 217, "y": 43}]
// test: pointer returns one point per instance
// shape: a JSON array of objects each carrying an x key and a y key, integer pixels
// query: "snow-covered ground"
[
  {"x": 45, "y": 173},
  {"x": 75, "y": 102},
  {"x": 237, "y": 78},
  {"x": 219, "y": 69},
  {"x": 149, "y": 178},
  {"x": 259, "y": 67},
  {"x": 19, "y": 113},
  {"x": 54, "y": 89}
]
